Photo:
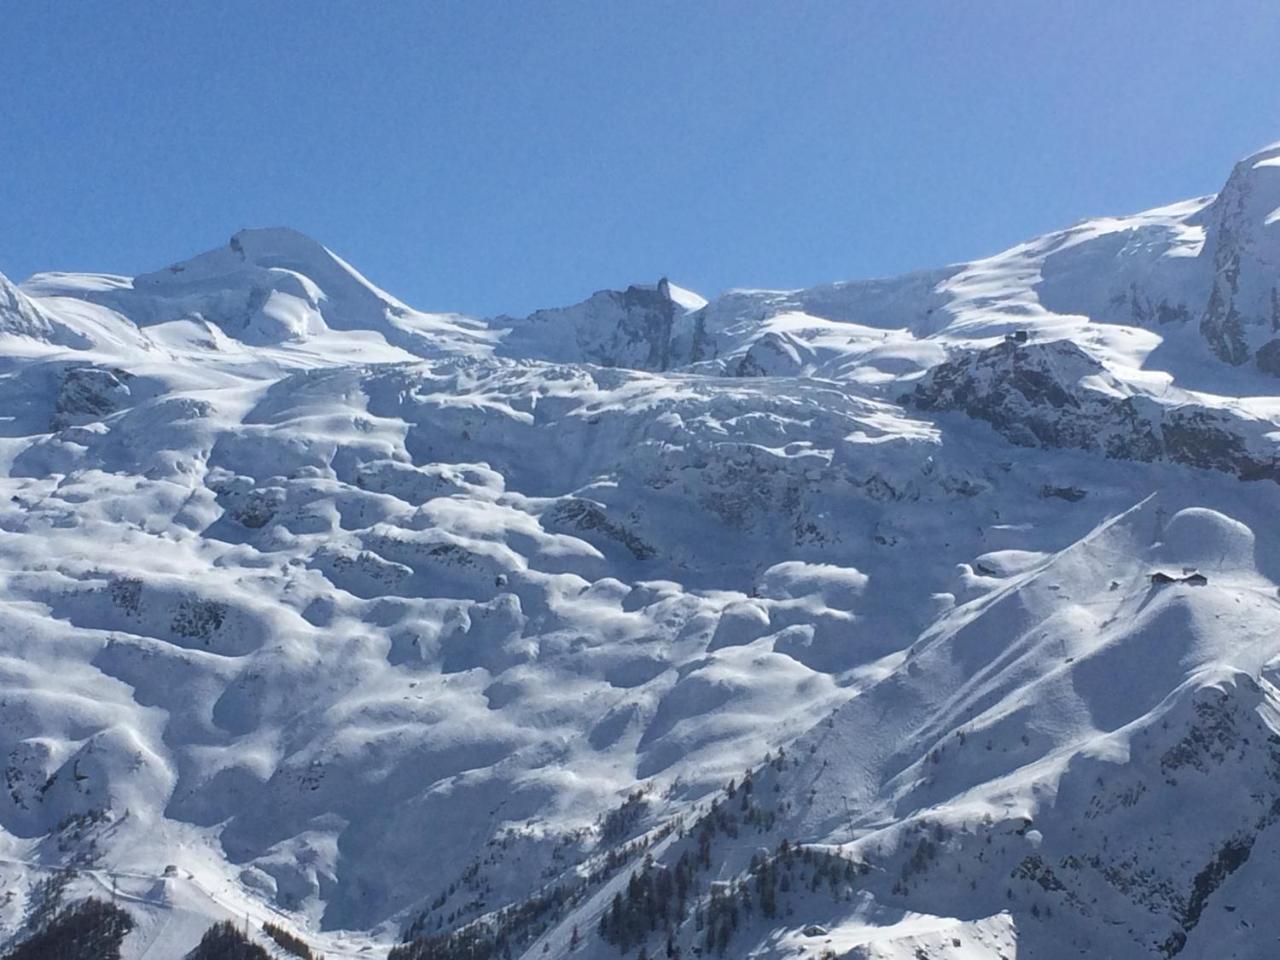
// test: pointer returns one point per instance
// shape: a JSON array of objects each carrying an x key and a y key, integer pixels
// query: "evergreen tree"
[
  {"x": 89, "y": 930},
  {"x": 224, "y": 941}
]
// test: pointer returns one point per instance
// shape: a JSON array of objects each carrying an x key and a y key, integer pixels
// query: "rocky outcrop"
[
  {"x": 1055, "y": 395},
  {"x": 88, "y": 393},
  {"x": 1242, "y": 240},
  {"x": 634, "y": 328},
  {"x": 585, "y": 516},
  {"x": 1268, "y": 357}
]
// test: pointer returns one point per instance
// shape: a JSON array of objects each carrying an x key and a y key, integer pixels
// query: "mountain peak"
[
  {"x": 634, "y": 327},
  {"x": 264, "y": 248},
  {"x": 1267, "y": 156},
  {"x": 1251, "y": 194},
  {"x": 1242, "y": 239},
  {"x": 272, "y": 284}
]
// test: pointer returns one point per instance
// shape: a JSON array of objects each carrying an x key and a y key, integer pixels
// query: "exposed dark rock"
[
  {"x": 1229, "y": 858},
  {"x": 89, "y": 393},
  {"x": 1241, "y": 240},
  {"x": 1070, "y": 494},
  {"x": 585, "y": 515},
  {"x": 1268, "y": 357},
  {"x": 1044, "y": 395},
  {"x": 613, "y": 328}
]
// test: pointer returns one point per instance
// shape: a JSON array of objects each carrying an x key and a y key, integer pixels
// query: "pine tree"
[{"x": 89, "y": 930}]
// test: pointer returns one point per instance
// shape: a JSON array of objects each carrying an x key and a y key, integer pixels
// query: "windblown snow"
[{"x": 926, "y": 617}]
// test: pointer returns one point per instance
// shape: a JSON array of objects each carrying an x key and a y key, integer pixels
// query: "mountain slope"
[{"x": 931, "y": 616}]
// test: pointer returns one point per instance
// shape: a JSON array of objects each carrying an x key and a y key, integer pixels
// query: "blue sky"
[{"x": 497, "y": 157}]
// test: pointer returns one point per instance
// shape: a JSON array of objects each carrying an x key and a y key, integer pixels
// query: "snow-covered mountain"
[{"x": 936, "y": 616}]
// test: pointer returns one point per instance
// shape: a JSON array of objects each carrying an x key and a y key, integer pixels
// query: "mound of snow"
[
  {"x": 839, "y": 587},
  {"x": 1205, "y": 539},
  {"x": 1007, "y": 563}
]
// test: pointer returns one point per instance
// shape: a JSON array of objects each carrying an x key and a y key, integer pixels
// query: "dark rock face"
[
  {"x": 1070, "y": 494},
  {"x": 89, "y": 393},
  {"x": 1200, "y": 438},
  {"x": 647, "y": 318},
  {"x": 1023, "y": 391},
  {"x": 1242, "y": 240},
  {"x": 1041, "y": 395},
  {"x": 1268, "y": 357},
  {"x": 1221, "y": 323},
  {"x": 631, "y": 328},
  {"x": 585, "y": 515}
]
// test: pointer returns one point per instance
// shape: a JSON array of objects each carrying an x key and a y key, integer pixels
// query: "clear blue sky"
[{"x": 490, "y": 157}]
